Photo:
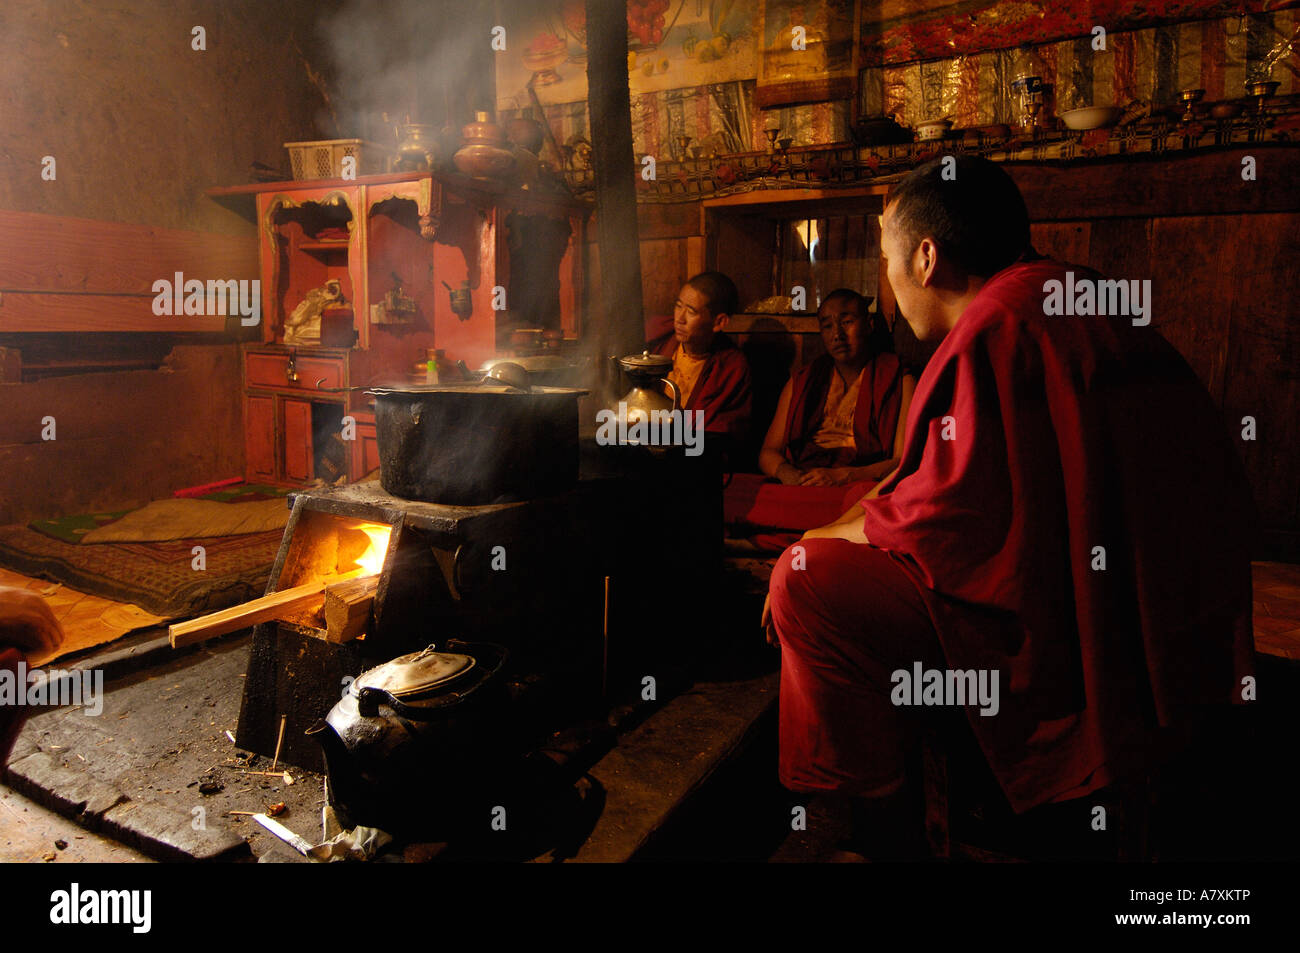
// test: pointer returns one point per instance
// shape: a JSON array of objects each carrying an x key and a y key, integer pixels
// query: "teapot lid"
[
  {"x": 414, "y": 673},
  {"x": 646, "y": 360}
]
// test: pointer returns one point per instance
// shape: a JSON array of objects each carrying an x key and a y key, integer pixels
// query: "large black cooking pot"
[{"x": 470, "y": 444}]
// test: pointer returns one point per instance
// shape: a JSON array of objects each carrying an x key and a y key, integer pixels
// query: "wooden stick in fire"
[
  {"x": 274, "y": 606},
  {"x": 279, "y": 741}
]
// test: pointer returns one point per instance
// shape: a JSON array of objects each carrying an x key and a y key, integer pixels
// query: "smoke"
[
  {"x": 407, "y": 57},
  {"x": 433, "y": 60}
]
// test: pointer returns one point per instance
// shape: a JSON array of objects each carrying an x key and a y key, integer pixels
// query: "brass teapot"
[{"x": 648, "y": 373}]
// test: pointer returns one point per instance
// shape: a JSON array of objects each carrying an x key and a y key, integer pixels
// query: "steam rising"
[
  {"x": 405, "y": 57},
  {"x": 432, "y": 60}
]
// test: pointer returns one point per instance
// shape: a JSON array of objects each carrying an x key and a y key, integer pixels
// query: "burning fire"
[{"x": 372, "y": 560}]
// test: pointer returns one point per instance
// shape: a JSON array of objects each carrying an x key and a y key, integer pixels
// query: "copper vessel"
[{"x": 485, "y": 154}]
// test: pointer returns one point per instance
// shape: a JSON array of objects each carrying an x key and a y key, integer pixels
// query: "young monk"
[
  {"x": 841, "y": 419},
  {"x": 709, "y": 371},
  {"x": 1069, "y": 515}
]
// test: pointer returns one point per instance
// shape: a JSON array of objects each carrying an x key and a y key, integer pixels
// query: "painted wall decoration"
[
  {"x": 1151, "y": 65},
  {"x": 723, "y": 116},
  {"x": 807, "y": 51},
  {"x": 901, "y": 31},
  {"x": 672, "y": 44}
]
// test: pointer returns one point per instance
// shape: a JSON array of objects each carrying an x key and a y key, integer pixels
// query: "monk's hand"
[
  {"x": 789, "y": 474},
  {"x": 849, "y": 526},
  {"x": 27, "y": 623},
  {"x": 819, "y": 476},
  {"x": 769, "y": 629}
]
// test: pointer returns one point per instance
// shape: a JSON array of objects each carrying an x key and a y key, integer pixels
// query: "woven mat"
[
  {"x": 164, "y": 520},
  {"x": 86, "y": 620},
  {"x": 155, "y": 576},
  {"x": 72, "y": 528}
]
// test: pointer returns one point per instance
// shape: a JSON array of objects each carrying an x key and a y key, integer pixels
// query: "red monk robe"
[
  {"x": 725, "y": 388},
  {"x": 755, "y": 501},
  {"x": 875, "y": 416},
  {"x": 1034, "y": 444}
]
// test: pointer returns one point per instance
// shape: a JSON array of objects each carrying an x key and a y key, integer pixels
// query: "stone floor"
[
  {"x": 719, "y": 801},
  {"x": 30, "y": 833}
]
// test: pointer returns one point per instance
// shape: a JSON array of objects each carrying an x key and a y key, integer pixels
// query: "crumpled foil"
[{"x": 360, "y": 843}]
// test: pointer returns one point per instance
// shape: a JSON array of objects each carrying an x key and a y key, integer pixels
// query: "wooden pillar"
[{"x": 620, "y": 324}]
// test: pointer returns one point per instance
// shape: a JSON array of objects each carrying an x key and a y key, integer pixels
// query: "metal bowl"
[
  {"x": 1091, "y": 117},
  {"x": 510, "y": 374}
]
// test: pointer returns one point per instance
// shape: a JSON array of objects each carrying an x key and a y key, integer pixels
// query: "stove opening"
[{"x": 328, "y": 548}]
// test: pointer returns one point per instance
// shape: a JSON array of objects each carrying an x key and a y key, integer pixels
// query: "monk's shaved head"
[{"x": 969, "y": 207}]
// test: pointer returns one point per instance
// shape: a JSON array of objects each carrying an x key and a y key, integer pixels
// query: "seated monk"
[
  {"x": 1065, "y": 543},
  {"x": 841, "y": 419},
  {"x": 711, "y": 374}
]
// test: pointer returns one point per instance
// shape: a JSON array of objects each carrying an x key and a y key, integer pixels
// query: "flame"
[{"x": 372, "y": 560}]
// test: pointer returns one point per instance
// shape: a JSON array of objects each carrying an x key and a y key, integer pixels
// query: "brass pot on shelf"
[
  {"x": 417, "y": 150},
  {"x": 485, "y": 154}
]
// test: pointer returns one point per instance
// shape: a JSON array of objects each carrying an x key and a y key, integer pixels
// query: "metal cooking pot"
[{"x": 472, "y": 444}]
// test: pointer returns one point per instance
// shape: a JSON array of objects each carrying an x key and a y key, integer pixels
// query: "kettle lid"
[
  {"x": 647, "y": 361},
  {"x": 414, "y": 673}
]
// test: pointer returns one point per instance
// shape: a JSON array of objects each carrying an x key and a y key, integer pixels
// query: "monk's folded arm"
[
  {"x": 772, "y": 457},
  {"x": 873, "y": 471}
]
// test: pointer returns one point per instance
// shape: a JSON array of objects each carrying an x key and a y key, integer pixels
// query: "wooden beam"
[
  {"x": 616, "y": 169},
  {"x": 347, "y": 608},
  {"x": 44, "y": 312},
  {"x": 1146, "y": 186},
  {"x": 274, "y": 606},
  {"x": 54, "y": 253},
  {"x": 60, "y": 274}
]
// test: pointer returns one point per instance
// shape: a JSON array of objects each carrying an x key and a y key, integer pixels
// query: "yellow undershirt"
[
  {"x": 837, "y": 422},
  {"x": 686, "y": 372}
]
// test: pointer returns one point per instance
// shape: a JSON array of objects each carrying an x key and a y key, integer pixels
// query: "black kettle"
[{"x": 408, "y": 740}]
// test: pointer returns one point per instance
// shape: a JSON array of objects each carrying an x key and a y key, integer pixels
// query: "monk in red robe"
[
  {"x": 840, "y": 420},
  {"x": 838, "y": 428},
  {"x": 1065, "y": 542},
  {"x": 710, "y": 373}
]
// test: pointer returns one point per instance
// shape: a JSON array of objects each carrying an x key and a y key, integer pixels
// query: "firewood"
[
  {"x": 347, "y": 608},
  {"x": 309, "y": 596}
]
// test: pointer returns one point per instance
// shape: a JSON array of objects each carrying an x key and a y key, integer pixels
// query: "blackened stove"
[{"x": 524, "y": 575}]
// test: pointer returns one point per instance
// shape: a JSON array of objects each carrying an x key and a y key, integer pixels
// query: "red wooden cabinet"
[
  {"x": 260, "y": 440},
  {"x": 298, "y": 456},
  {"x": 365, "y": 448},
  {"x": 395, "y": 244},
  {"x": 302, "y": 416}
]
